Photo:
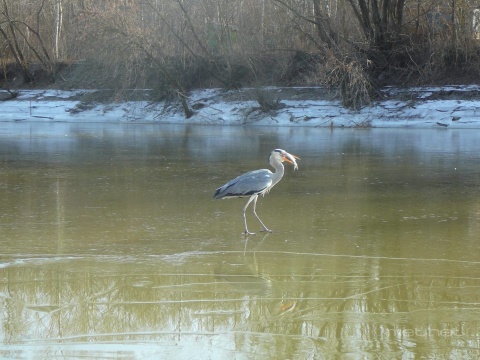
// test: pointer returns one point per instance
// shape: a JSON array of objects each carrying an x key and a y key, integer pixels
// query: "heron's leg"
[
  {"x": 254, "y": 197},
  {"x": 255, "y": 213}
]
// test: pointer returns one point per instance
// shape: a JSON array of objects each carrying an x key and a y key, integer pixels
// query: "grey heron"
[{"x": 257, "y": 182}]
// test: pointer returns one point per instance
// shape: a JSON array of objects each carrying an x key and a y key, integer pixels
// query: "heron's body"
[
  {"x": 255, "y": 183},
  {"x": 251, "y": 183}
]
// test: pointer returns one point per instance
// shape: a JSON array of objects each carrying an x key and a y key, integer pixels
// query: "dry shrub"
[
  {"x": 353, "y": 83},
  {"x": 267, "y": 100},
  {"x": 302, "y": 68},
  {"x": 455, "y": 60}
]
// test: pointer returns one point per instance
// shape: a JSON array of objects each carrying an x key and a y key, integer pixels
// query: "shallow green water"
[{"x": 113, "y": 247}]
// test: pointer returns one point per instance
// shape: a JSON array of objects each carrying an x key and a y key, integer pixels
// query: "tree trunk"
[
  {"x": 322, "y": 24},
  {"x": 57, "y": 28},
  {"x": 380, "y": 20}
]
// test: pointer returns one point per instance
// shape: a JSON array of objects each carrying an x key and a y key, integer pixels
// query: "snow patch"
[{"x": 413, "y": 107}]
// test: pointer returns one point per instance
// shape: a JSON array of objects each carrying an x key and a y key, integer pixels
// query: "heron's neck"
[{"x": 279, "y": 170}]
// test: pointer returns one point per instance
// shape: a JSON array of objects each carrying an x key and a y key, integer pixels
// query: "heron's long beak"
[{"x": 291, "y": 159}]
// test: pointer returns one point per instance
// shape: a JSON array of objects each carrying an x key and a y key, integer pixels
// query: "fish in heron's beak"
[{"x": 291, "y": 159}]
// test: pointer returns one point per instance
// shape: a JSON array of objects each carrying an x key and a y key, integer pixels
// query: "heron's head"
[{"x": 282, "y": 155}]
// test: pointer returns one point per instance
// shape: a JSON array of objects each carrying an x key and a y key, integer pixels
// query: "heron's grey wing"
[{"x": 246, "y": 184}]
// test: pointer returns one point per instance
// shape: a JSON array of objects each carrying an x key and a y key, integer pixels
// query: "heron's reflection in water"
[{"x": 245, "y": 275}]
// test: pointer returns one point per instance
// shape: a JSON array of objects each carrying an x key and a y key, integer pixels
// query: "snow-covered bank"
[{"x": 428, "y": 107}]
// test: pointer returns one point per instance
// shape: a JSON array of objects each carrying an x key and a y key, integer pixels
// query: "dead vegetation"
[{"x": 353, "y": 47}]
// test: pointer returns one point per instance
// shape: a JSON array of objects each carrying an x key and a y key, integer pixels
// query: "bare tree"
[
  {"x": 15, "y": 32},
  {"x": 180, "y": 44},
  {"x": 380, "y": 20}
]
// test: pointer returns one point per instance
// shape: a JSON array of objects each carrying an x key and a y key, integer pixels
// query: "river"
[{"x": 113, "y": 247}]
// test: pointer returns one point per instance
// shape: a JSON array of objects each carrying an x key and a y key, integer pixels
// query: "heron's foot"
[
  {"x": 247, "y": 233},
  {"x": 267, "y": 230}
]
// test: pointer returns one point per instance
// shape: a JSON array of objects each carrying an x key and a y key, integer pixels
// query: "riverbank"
[{"x": 420, "y": 107}]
